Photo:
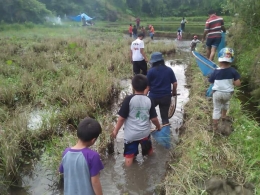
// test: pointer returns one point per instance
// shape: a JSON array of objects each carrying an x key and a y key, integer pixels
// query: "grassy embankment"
[
  {"x": 201, "y": 155},
  {"x": 62, "y": 74}
]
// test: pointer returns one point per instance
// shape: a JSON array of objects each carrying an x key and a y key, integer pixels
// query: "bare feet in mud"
[{"x": 224, "y": 127}]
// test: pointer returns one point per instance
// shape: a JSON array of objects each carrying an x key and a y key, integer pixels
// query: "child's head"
[
  {"x": 88, "y": 129},
  {"x": 226, "y": 55},
  {"x": 195, "y": 37},
  {"x": 130, "y": 24},
  {"x": 139, "y": 82}
]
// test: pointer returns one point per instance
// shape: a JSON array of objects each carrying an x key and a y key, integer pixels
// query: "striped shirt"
[{"x": 213, "y": 26}]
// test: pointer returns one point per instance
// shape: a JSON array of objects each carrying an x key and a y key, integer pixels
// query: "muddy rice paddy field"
[{"x": 51, "y": 78}]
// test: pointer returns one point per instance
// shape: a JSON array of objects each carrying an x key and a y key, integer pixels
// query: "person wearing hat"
[
  {"x": 162, "y": 84},
  {"x": 138, "y": 56},
  {"x": 224, "y": 79}
]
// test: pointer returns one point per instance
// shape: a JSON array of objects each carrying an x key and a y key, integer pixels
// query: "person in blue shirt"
[
  {"x": 224, "y": 79},
  {"x": 162, "y": 84}
]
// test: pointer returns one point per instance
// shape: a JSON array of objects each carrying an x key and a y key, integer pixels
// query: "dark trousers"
[
  {"x": 139, "y": 66},
  {"x": 164, "y": 105}
]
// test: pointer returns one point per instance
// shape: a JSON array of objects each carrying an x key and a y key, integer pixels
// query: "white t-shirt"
[{"x": 136, "y": 47}]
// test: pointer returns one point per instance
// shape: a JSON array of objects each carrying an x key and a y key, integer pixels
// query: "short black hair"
[
  {"x": 139, "y": 82},
  {"x": 88, "y": 129},
  {"x": 161, "y": 62},
  {"x": 140, "y": 34},
  {"x": 211, "y": 12}
]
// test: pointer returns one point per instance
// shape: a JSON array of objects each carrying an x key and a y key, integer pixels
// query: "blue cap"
[{"x": 156, "y": 57}]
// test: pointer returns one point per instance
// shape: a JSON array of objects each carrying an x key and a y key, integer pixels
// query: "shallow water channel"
[{"x": 146, "y": 173}]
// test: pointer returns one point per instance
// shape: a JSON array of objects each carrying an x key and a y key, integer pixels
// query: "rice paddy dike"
[{"x": 68, "y": 73}]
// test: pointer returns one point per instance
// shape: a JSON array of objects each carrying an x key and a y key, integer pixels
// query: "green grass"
[{"x": 67, "y": 72}]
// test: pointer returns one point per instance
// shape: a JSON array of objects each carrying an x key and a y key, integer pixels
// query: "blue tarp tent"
[{"x": 78, "y": 17}]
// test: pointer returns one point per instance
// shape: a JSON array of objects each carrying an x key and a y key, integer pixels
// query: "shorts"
[
  {"x": 139, "y": 66},
  {"x": 131, "y": 149},
  {"x": 213, "y": 42},
  {"x": 220, "y": 102}
]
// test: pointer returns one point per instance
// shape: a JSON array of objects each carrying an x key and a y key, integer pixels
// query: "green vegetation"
[
  {"x": 245, "y": 39},
  {"x": 110, "y": 10},
  {"x": 61, "y": 74}
]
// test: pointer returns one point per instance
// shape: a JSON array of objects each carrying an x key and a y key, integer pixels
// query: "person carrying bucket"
[
  {"x": 162, "y": 85},
  {"x": 135, "y": 114},
  {"x": 213, "y": 28},
  {"x": 224, "y": 79}
]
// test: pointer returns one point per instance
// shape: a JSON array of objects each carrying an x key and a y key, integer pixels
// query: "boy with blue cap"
[{"x": 224, "y": 79}]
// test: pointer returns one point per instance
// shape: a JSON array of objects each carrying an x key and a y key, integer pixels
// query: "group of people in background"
[{"x": 133, "y": 30}]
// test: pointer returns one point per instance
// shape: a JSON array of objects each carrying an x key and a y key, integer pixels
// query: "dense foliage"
[
  {"x": 36, "y": 10},
  {"x": 245, "y": 38}
]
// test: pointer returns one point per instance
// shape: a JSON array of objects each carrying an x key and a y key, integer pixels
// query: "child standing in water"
[
  {"x": 224, "y": 79},
  {"x": 194, "y": 42},
  {"x": 179, "y": 34},
  {"x": 80, "y": 165},
  {"x": 135, "y": 114}
]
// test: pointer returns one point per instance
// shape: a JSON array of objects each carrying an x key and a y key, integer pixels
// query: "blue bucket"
[{"x": 163, "y": 137}]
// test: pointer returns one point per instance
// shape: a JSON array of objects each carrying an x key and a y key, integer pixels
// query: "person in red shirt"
[
  {"x": 130, "y": 30},
  {"x": 214, "y": 26},
  {"x": 151, "y": 29}
]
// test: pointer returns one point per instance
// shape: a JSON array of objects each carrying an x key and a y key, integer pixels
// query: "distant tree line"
[{"x": 35, "y": 10}]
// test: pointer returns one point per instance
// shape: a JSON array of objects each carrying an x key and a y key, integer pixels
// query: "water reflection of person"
[{"x": 162, "y": 84}]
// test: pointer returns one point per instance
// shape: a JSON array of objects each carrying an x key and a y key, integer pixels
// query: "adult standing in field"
[
  {"x": 135, "y": 32},
  {"x": 213, "y": 27},
  {"x": 138, "y": 56},
  {"x": 162, "y": 84},
  {"x": 183, "y": 22},
  {"x": 151, "y": 31},
  {"x": 137, "y": 22},
  {"x": 143, "y": 31}
]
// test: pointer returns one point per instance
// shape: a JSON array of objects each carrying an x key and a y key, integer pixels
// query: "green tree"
[{"x": 22, "y": 10}]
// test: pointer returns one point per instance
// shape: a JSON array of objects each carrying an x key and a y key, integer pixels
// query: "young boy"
[
  {"x": 81, "y": 165},
  {"x": 194, "y": 42},
  {"x": 135, "y": 113},
  {"x": 224, "y": 79}
]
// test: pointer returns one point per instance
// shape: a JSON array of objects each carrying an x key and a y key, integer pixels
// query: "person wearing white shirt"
[{"x": 138, "y": 56}]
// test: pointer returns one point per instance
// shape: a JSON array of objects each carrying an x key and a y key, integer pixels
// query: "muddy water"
[{"x": 144, "y": 175}]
